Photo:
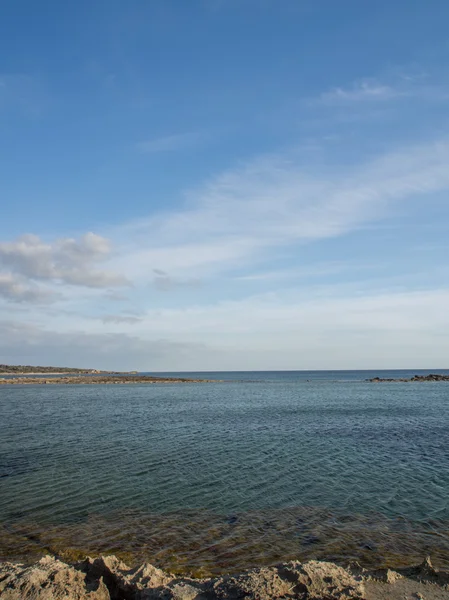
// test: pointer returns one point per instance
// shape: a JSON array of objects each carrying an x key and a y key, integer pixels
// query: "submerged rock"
[{"x": 107, "y": 578}]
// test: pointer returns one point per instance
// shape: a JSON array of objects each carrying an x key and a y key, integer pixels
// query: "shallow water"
[{"x": 207, "y": 477}]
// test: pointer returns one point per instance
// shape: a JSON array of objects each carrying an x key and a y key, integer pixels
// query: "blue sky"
[{"x": 224, "y": 184}]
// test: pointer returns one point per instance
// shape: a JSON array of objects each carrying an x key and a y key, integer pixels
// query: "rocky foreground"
[
  {"x": 97, "y": 379},
  {"x": 107, "y": 578},
  {"x": 430, "y": 377}
]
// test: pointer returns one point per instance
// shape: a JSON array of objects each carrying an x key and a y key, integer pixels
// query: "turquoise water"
[{"x": 256, "y": 468}]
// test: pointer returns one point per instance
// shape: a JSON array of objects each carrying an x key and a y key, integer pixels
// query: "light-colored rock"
[
  {"x": 48, "y": 579},
  {"x": 314, "y": 580},
  {"x": 108, "y": 578}
]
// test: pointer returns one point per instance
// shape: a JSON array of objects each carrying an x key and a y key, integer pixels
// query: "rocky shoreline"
[
  {"x": 107, "y": 578},
  {"x": 97, "y": 379},
  {"x": 430, "y": 377}
]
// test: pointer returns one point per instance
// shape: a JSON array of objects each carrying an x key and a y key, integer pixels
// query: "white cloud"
[
  {"x": 66, "y": 260},
  {"x": 16, "y": 289}
]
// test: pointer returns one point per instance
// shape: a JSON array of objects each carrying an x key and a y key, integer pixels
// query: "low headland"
[
  {"x": 33, "y": 370},
  {"x": 28, "y": 375},
  {"x": 107, "y": 578},
  {"x": 101, "y": 379},
  {"x": 97, "y": 380}
]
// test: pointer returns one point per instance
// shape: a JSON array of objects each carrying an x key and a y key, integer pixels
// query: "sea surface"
[{"x": 202, "y": 478}]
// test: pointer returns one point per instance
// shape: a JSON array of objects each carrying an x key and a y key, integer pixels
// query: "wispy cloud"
[
  {"x": 361, "y": 92},
  {"x": 127, "y": 319},
  {"x": 232, "y": 224},
  {"x": 171, "y": 143},
  {"x": 316, "y": 270},
  {"x": 164, "y": 282},
  {"x": 374, "y": 91},
  {"x": 274, "y": 202}
]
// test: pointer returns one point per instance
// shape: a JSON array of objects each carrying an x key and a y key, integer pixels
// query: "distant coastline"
[
  {"x": 116, "y": 379},
  {"x": 30, "y": 375},
  {"x": 39, "y": 370}
]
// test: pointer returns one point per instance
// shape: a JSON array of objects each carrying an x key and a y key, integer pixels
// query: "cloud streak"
[
  {"x": 170, "y": 143},
  {"x": 362, "y": 91},
  {"x": 163, "y": 282},
  {"x": 119, "y": 319},
  {"x": 372, "y": 91},
  {"x": 275, "y": 202}
]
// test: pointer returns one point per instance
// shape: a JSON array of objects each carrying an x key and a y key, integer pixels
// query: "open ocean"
[{"x": 205, "y": 478}]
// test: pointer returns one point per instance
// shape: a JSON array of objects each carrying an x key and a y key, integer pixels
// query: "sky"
[{"x": 224, "y": 184}]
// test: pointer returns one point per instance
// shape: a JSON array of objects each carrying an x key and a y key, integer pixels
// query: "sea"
[{"x": 252, "y": 469}]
